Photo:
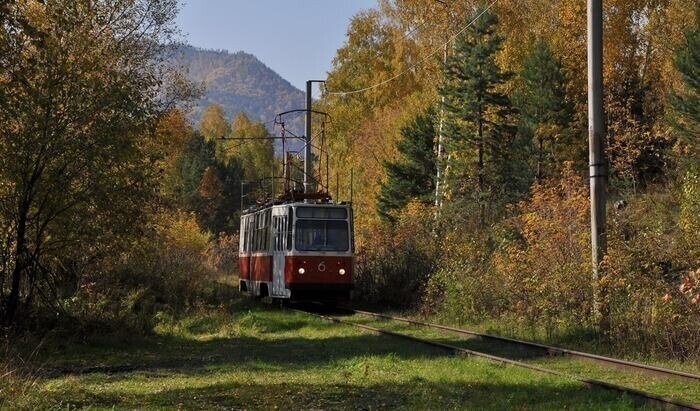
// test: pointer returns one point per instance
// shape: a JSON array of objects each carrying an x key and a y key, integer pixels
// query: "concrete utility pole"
[
  {"x": 596, "y": 131},
  {"x": 308, "y": 167}
]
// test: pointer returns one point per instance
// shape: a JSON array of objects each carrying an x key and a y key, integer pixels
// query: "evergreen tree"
[
  {"x": 685, "y": 113},
  {"x": 413, "y": 176},
  {"x": 207, "y": 185},
  {"x": 477, "y": 129},
  {"x": 545, "y": 113}
]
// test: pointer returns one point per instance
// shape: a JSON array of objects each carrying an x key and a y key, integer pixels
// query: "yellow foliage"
[
  {"x": 546, "y": 273},
  {"x": 181, "y": 232}
]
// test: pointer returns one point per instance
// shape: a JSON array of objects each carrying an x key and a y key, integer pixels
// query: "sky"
[{"x": 295, "y": 38}]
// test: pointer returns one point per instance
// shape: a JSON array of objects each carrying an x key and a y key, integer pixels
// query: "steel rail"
[
  {"x": 646, "y": 397},
  {"x": 549, "y": 349}
]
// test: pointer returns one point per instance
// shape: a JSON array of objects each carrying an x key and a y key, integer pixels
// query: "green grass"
[
  {"x": 576, "y": 339},
  {"x": 673, "y": 387},
  {"x": 256, "y": 357}
]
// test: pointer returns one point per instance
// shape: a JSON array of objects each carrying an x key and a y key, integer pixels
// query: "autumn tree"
[
  {"x": 80, "y": 91},
  {"x": 412, "y": 176},
  {"x": 213, "y": 124},
  {"x": 254, "y": 149},
  {"x": 477, "y": 124}
]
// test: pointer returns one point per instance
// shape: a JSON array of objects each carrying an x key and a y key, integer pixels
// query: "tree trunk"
[
  {"x": 480, "y": 170},
  {"x": 20, "y": 257},
  {"x": 540, "y": 157}
]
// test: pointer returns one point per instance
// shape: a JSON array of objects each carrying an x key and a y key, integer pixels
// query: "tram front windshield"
[{"x": 322, "y": 235}]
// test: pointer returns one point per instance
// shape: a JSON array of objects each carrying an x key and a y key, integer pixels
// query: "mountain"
[{"x": 240, "y": 82}]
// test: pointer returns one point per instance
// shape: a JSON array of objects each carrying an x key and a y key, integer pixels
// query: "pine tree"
[
  {"x": 477, "y": 129},
  {"x": 545, "y": 113},
  {"x": 413, "y": 176},
  {"x": 685, "y": 105}
]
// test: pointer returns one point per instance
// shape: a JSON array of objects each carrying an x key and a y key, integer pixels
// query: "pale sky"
[{"x": 296, "y": 38}]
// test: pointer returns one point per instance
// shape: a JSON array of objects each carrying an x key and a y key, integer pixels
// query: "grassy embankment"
[
  {"x": 252, "y": 356},
  {"x": 674, "y": 387}
]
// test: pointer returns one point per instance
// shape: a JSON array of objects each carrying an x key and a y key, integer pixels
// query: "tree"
[
  {"x": 477, "y": 128},
  {"x": 214, "y": 127},
  {"x": 544, "y": 110},
  {"x": 80, "y": 92},
  {"x": 685, "y": 103},
  {"x": 413, "y": 176},
  {"x": 206, "y": 185},
  {"x": 256, "y": 152},
  {"x": 213, "y": 124}
]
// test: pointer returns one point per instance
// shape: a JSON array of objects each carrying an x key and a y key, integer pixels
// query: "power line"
[{"x": 412, "y": 66}]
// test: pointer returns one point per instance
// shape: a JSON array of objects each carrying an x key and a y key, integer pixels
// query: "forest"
[{"x": 470, "y": 165}]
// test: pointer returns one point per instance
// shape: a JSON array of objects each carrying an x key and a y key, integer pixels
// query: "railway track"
[
  {"x": 639, "y": 395},
  {"x": 665, "y": 372}
]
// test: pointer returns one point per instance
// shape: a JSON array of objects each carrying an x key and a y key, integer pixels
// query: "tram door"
[{"x": 278, "y": 225}]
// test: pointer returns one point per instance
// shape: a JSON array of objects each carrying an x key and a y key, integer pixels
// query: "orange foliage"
[{"x": 546, "y": 272}]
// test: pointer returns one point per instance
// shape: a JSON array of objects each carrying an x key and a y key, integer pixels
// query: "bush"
[
  {"x": 546, "y": 270},
  {"x": 165, "y": 271},
  {"x": 651, "y": 277},
  {"x": 464, "y": 288},
  {"x": 532, "y": 268},
  {"x": 394, "y": 261}
]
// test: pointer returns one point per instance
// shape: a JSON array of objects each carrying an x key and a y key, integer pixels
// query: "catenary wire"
[{"x": 417, "y": 64}]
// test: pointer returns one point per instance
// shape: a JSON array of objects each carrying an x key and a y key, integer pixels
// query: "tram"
[{"x": 297, "y": 251}]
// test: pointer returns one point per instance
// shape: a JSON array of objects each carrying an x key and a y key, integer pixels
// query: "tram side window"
[
  {"x": 290, "y": 224},
  {"x": 276, "y": 232},
  {"x": 251, "y": 233},
  {"x": 259, "y": 232},
  {"x": 283, "y": 234},
  {"x": 255, "y": 232},
  {"x": 246, "y": 235},
  {"x": 280, "y": 234},
  {"x": 268, "y": 230}
]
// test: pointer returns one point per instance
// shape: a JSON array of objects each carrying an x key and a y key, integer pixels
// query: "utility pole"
[
  {"x": 596, "y": 131},
  {"x": 307, "y": 141},
  {"x": 308, "y": 164}
]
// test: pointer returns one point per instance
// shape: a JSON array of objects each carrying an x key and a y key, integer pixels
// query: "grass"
[
  {"x": 581, "y": 339},
  {"x": 674, "y": 387},
  {"x": 256, "y": 357}
]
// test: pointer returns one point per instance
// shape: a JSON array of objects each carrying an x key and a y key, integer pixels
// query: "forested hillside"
[{"x": 238, "y": 82}]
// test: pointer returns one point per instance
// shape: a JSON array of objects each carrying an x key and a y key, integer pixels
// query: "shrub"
[
  {"x": 464, "y": 288},
  {"x": 394, "y": 262},
  {"x": 651, "y": 278},
  {"x": 546, "y": 271},
  {"x": 164, "y": 271}
]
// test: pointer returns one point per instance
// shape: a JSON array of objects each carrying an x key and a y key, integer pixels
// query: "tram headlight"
[
  {"x": 341, "y": 271},
  {"x": 302, "y": 271}
]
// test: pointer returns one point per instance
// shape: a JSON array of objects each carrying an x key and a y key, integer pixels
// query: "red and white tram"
[{"x": 297, "y": 251}]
